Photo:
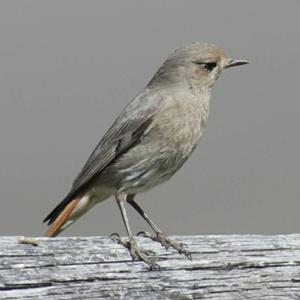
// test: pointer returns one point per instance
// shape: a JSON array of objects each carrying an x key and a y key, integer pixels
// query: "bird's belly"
[
  {"x": 137, "y": 178},
  {"x": 149, "y": 165}
]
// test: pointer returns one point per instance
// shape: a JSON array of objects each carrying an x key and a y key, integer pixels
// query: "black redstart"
[{"x": 150, "y": 140}]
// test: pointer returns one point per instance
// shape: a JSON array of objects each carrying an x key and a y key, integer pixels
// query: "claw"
[
  {"x": 166, "y": 242},
  {"x": 115, "y": 237},
  {"x": 136, "y": 252},
  {"x": 142, "y": 234}
]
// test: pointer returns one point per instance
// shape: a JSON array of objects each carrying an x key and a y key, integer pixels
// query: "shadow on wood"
[{"x": 223, "y": 267}]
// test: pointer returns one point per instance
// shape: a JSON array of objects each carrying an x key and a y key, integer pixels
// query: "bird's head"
[{"x": 198, "y": 65}]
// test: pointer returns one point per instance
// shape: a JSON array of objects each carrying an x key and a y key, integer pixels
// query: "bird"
[{"x": 150, "y": 140}]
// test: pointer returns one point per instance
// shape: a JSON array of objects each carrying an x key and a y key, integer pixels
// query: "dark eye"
[{"x": 209, "y": 66}]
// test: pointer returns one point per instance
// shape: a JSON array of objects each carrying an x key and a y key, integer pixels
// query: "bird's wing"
[
  {"x": 126, "y": 131},
  {"x": 117, "y": 140}
]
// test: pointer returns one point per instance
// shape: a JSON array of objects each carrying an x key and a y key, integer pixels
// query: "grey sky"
[{"x": 68, "y": 67}]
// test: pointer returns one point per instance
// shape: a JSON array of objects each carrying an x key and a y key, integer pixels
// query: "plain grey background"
[{"x": 67, "y": 68}]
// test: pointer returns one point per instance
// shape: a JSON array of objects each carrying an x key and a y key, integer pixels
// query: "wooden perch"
[{"x": 223, "y": 267}]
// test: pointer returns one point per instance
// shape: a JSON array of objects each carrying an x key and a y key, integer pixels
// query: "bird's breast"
[{"x": 181, "y": 123}]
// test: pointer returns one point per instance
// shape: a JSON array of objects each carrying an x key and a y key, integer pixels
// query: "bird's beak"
[{"x": 235, "y": 62}]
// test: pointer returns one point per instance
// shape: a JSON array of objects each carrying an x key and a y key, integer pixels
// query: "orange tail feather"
[{"x": 55, "y": 227}]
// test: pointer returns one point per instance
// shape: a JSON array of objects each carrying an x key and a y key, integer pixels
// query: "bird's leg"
[
  {"x": 158, "y": 236},
  {"x": 130, "y": 243}
]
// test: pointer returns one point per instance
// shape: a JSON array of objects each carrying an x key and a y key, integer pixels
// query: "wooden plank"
[{"x": 223, "y": 267}]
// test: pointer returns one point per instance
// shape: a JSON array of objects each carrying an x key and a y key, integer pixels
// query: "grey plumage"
[{"x": 154, "y": 134}]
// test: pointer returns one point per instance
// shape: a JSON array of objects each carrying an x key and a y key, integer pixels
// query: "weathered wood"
[{"x": 223, "y": 267}]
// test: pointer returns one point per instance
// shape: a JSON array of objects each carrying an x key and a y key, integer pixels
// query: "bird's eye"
[{"x": 209, "y": 66}]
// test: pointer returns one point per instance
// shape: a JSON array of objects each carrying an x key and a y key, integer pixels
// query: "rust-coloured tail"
[{"x": 62, "y": 218}]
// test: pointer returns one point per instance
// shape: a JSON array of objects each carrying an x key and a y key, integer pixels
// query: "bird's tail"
[
  {"x": 61, "y": 222},
  {"x": 67, "y": 212},
  {"x": 71, "y": 208}
]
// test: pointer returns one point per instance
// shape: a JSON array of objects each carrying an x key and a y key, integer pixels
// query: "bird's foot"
[
  {"x": 135, "y": 251},
  {"x": 166, "y": 242}
]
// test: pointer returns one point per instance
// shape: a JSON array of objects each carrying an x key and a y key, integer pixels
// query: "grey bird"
[{"x": 149, "y": 141}]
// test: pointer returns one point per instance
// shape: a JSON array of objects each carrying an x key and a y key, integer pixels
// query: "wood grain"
[{"x": 223, "y": 267}]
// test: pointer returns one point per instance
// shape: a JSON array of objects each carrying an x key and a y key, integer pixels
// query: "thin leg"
[
  {"x": 130, "y": 244},
  {"x": 121, "y": 199},
  {"x": 130, "y": 200},
  {"x": 159, "y": 236}
]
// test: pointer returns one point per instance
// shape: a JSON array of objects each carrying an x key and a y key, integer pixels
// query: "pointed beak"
[{"x": 235, "y": 63}]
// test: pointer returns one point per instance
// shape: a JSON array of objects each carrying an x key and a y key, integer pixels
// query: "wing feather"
[
  {"x": 118, "y": 139},
  {"x": 116, "y": 142}
]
